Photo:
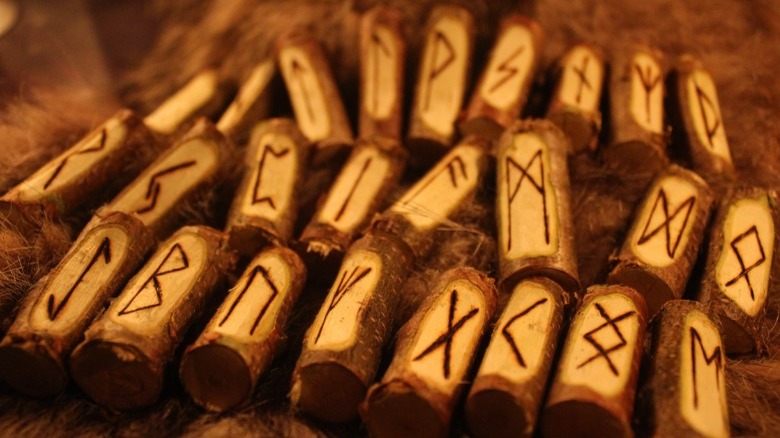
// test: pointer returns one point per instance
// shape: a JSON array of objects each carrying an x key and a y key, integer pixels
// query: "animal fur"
[{"x": 736, "y": 40}]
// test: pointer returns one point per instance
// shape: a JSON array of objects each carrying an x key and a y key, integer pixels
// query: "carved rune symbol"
[
  {"x": 445, "y": 340},
  {"x": 539, "y": 186},
  {"x": 64, "y": 161},
  {"x": 602, "y": 351},
  {"x": 265, "y": 275},
  {"x": 454, "y": 166},
  {"x": 671, "y": 244},
  {"x": 298, "y": 71},
  {"x": 178, "y": 258},
  {"x": 714, "y": 357},
  {"x": 581, "y": 73},
  {"x": 346, "y": 282},
  {"x": 267, "y": 149},
  {"x": 745, "y": 272},
  {"x": 703, "y": 99},
  {"x": 378, "y": 46},
  {"x": 437, "y": 69},
  {"x": 153, "y": 190},
  {"x": 363, "y": 170},
  {"x": 508, "y": 335},
  {"x": 506, "y": 68},
  {"x": 648, "y": 83},
  {"x": 104, "y": 251}
]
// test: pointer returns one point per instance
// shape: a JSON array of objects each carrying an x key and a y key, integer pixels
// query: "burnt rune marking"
[
  {"x": 265, "y": 275},
  {"x": 508, "y": 335},
  {"x": 671, "y": 246},
  {"x": 104, "y": 251},
  {"x": 506, "y": 68},
  {"x": 298, "y": 71},
  {"x": 346, "y": 282},
  {"x": 710, "y": 130},
  {"x": 539, "y": 186},
  {"x": 648, "y": 83},
  {"x": 153, "y": 190},
  {"x": 436, "y": 70},
  {"x": 601, "y": 351},
  {"x": 445, "y": 339},
  {"x": 363, "y": 170},
  {"x": 267, "y": 149},
  {"x": 454, "y": 166},
  {"x": 154, "y": 279},
  {"x": 378, "y": 46},
  {"x": 581, "y": 74},
  {"x": 64, "y": 161},
  {"x": 745, "y": 272},
  {"x": 714, "y": 357}
]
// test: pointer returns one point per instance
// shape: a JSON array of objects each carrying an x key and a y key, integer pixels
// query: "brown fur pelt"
[{"x": 736, "y": 40}]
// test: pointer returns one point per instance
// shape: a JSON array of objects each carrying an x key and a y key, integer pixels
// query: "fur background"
[{"x": 153, "y": 47}]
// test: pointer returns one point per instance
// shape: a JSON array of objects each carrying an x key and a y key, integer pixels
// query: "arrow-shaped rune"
[{"x": 104, "y": 251}]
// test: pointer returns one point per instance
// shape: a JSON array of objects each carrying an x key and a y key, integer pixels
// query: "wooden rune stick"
[
  {"x": 533, "y": 207},
  {"x": 735, "y": 285},
  {"x": 252, "y": 103},
  {"x": 220, "y": 370},
  {"x": 505, "y": 83},
  {"x": 342, "y": 348},
  {"x": 382, "y": 67},
  {"x": 314, "y": 93},
  {"x": 510, "y": 385},
  {"x": 696, "y": 112},
  {"x": 684, "y": 392},
  {"x": 441, "y": 81},
  {"x": 54, "y": 315},
  {"x": 592, "y": 393},
  {"x": 438, "y": 196},
  {"x": 120, "y": 363},
  {"x": 433, "y": 354},
  {"x": 362, "y": 188},
  {"x": 638, "y": 138},
  {"x": 265, "y": 204},
  {"x": 575, "y": 102},
  {"x": 116, "y": 151},
  {"x": 661, "y": 246}
]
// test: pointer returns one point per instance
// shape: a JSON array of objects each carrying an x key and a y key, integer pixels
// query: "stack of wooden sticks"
[{"x": 560, "y": 359}]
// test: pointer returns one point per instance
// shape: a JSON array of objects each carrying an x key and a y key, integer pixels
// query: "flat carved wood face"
[
  {"x": 251, "y": 309},
  {"x": 157, "y": 291},
  {"x": 306, "y": 94},
  {"x": 251, "y": 91},
  {"x": 599, "y": 350},
  {"x": 74, "y": 164},
  {"x": 443, "y": 189},
  {"x": 663, "y": 227},
  {"x": 509, "y": 68},
  {"x": 582, "y": 78},
  {"x": 159, "y": 188},
  {"x": 527, "y": 205},
  {"x": 380, "y": 73},
  {"x": 744, "y": 265},
  {"x": 704, "y": 110},
  {"x": 702, "y": 377},
  {"x": 522, "y": 335},
  {"x": 78, "y": 284},
  {"x": 193, "y": 97},
  {"x": 351, "y": 196},
  {"x": 447, "y": 336},
  {"x": 336, "y": 325},
  {"x": 647, "y": 93},
  {"x": 442, "y": 79}
]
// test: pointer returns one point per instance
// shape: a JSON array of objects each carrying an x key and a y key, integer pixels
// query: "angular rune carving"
[
  {"x": 508, "y": 335},
  {"x": 153, "y": 190},
  {"x": 256, "y": 199},
  {"x": 64, "y": 161},
  {"x": 454, "y": 167},
  {"x": 363, "y": 170},
  {"x": 648, "y": 83},
  {"x": 104, "y": 251},
  {"x": 154, "y": 279},
  {"x": 539, "y": 186},
  {"x": 445, "y": 339},
  {"x": 708, "y": 360},
  {"x": 298, "y": 71},
  {"x": 378, "y": 46},
  {"x": 581, "y": 73},
  {"x": 437, "y": 69},
  {"x": 346, "y": 282},
  {"x": 506, "y": 68},
  {"x": 711, "y": 130},
  {"x": 671, "y": 244},
  {"x": 745, "y": 272},
  {"x": 265, "y": 275},
  {"x": 601, "y": 350}
]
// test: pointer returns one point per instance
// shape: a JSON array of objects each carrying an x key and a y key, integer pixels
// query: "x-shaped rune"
[{"x": 601, "y": 351}]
